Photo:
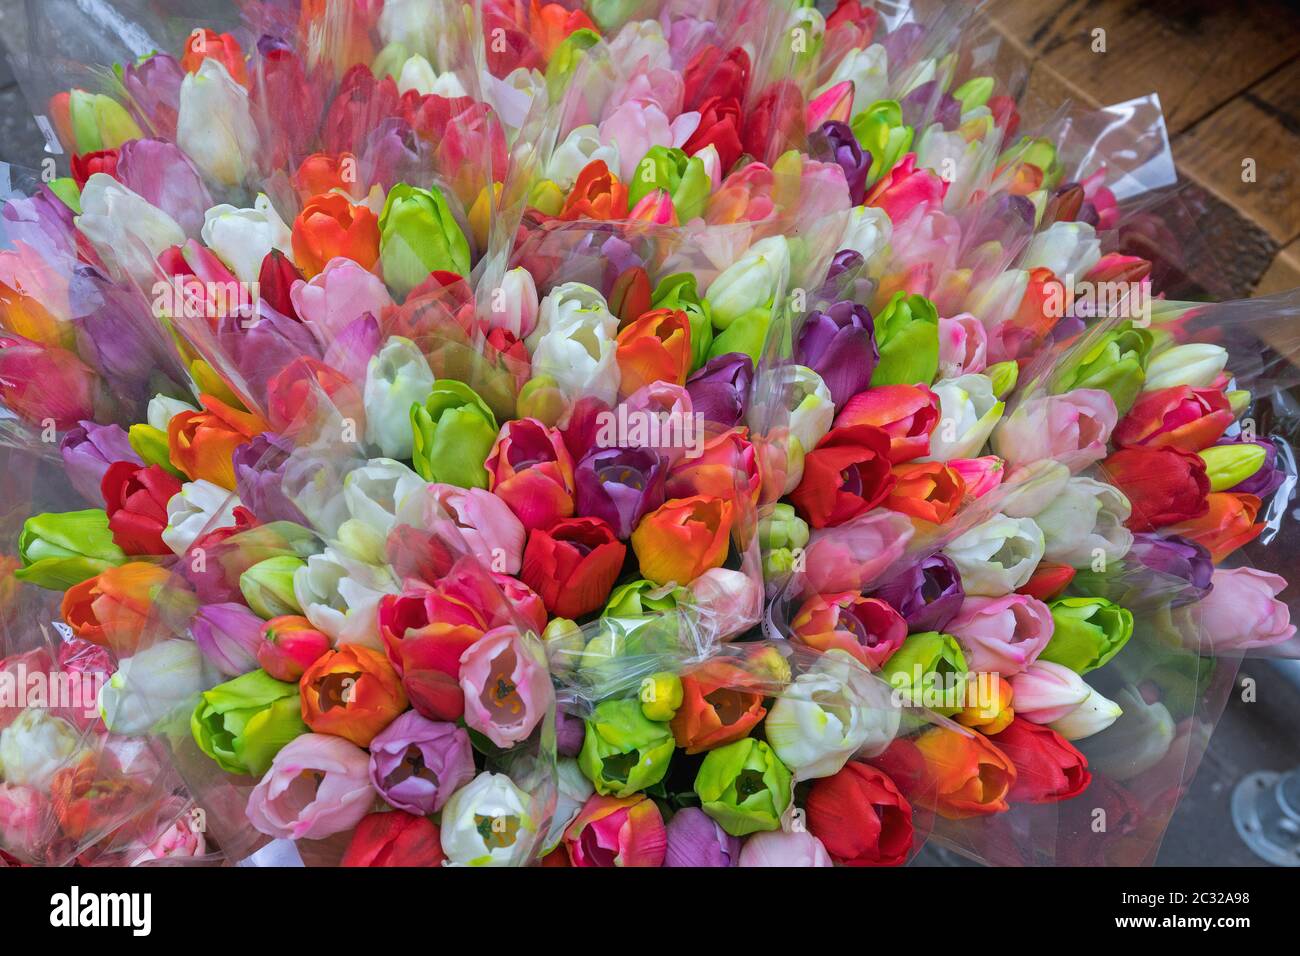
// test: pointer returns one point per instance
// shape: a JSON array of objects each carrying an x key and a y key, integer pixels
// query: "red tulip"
[
  {"x": 861, "y": 817},
  {"x": 846, "y": 475},
  {"x": 907, "y": 413},
  {"x": 85, "y": 165},
  {"x": 1048, "y": 768},
  {"x": 573, "y": 565},
  {"x": 394, "y": 838},
  {"x": 529, "y": 468},
  {"x": 275, "y": 279},
  {"x": 720, "y": 128},
  {"x": 1164, "y": 485},
  {"x": 1048, "y": 581},
  {"x": 136, "y": 501},
  {"x": 711, "y": 73},
  {"x": 1181, "y": 417}
]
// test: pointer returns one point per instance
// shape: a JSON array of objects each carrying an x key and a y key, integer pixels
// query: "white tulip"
[
  {"x": 487, "y": 823},
  {"x": 242, "y": 238},
  {"x": 215, "y": 124},
  {"x": 397, "y": 376},
  {"x": 150, "y": 684},
  {"x": 126, "y": 230},
  {"x": 199, "y": 507}
]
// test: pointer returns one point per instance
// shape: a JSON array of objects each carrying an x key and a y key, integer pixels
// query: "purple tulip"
[
  {"x": 167, "y": 178},
  {"x": 901, "y": 43},
  {"x": 259, "y": 351},
  {"x": 259, "y": 475},
  {"x": 720, "y": 389},
  {"x": 928, "y": 594},
  {"x": 619, "y": 486},
  {"x": 569, "y": 734},
  {"x": 43, "y": 222},
  {"x": 1164, "y": 570},
  {"x": 154, "y": 90},
  {"x": 228, "y": 635},
  {"x": 695, "y": 840},
  {"x": 926, "y": 105},
  {"x": 88, "y": 449},
  {"x": 416, "y": 764},
  {"x": 839, "y": 344},
  {"x": 834, "y": 142},
  {"x": 392, "y": 154},
  {"x": 1269, "y": 477},
  {"x": 351, "y": 350}
]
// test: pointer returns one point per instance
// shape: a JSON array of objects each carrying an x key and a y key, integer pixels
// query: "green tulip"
[
  {"x": 454, "y": 433},
  {"x": 243, "y": 723},
  {"x": 623, "y": 750},
  {"x": 69, "y": 193},
  {"x": 683, "y": 177},
  {"x": 880, "y": 130},
  {"x": 974, "y": 93},
  {"x": 678, "y": 291},
  {"x": 151, "y": 445},
  {"x": 418, "y": 235},
  {"x": 1230, "y": 465},
  {"x": 907, "y": 333},
  {"x": 268, "y": 586},
  {"x": 929, "y": 670},
  {"x": 782, "y": 535},
  {"x": 1004, "y": 376},
  {"x": 1089, "y": 631},
  {"x": 565, "y": 644},
  {"x": 744, "y": 787},
  {"x": 1116, "y": 364},
  {"x": 60, "y": 550},
  {"x": 641, "y": 599},
  {"x": 99, "y": 122},
  {"x": 564, "y": 62}
]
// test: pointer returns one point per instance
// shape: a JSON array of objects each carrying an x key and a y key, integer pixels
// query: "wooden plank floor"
[{"x": 1228, "y": 77}]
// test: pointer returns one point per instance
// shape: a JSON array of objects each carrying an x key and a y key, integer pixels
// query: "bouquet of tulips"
[{"x": 618, "y": 433}]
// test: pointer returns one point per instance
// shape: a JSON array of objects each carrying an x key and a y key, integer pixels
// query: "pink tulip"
[
  {"x": 963, "y": 346},
  {"x": 1044, "y": 692},
  {"x": 634, "y": 127},
  {"x": 180, "y": 839},
  {"x": 854, "y": 555},
  {"x": 784, "y": 848},
  {"x": 529, "y": 468},
  {"x": 648, "y": 85},
  {"x": 655, "y": 208},
  {"x": 507, "y": 689},
  {"x": 836, "y": 104},
  {"x": 733, "y": 599},
  {"x": 289, "y": 646},
  {"x": 481, "y": 520},
  {"x": 43, "y": 383},
  {"x": 981, "y": 475},
  {"x": 1002, "y": 634},
  {"x": 613, "y": 831},
  {"x": 318, "y": 785},
  {"x": 24, "y": 814},
  {"x": 904, "y": 189},
  {"x": 1242, "y": 612},
  {"x": 1072, "y": 428},
  {"x": 527, "y": 606},
  {"x": 343, "y": 292}
]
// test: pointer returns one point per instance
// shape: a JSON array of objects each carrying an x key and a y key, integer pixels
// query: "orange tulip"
[
  {"x": 205, "y": 44},
  {"x": 1228, "y": 524},
  {"x": 114, "y": 608},
  {"x": 549, "y": 25},
  {"x": 717, "y": 707},
  {"x": 928, "y": 490},
  {"x": 33, "y": 298},
  {"x": 654, "y": 348},
  {"x": 89, "y": 796},
  {"x": 324, "y": 173},
  {"x": 958, "y": 775},
  {"x": 329, "y": 226},
  {"x": 201, "y": 443},
  {"x": 352, "y": 692},
  {"x": 597, "y": 194},
  {"x": 684, "y": 538},
  {"x": 727, "y": 466}
]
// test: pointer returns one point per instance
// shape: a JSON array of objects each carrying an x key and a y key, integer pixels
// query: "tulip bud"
[
  {"x": 149, "y": 685},
  {"x": 1114, "y": 364},
  {"x": 99, "y": 122},
  {"x": 1088, "y": 632},
  {"x": 419, "y": 235},
  {"x": 1094, "y": 715},
  {"x": 268, "y": 586},
  {"x": 565, "y": 642},
  {"x": 215, "y": 125},
  {"x": 1004, "y": 376},
  {"x": 744, "y": 786},
  {"x": 397, "y": 377},
  {"x": 907, "y": 332},
  {"x": 289, "y": 646},
  {"x": 60, "y": 550},
  {"x": 1229, "y": 465},
  {"x": 1196, "y": 365},
  {"x": 1238, "y": 401},
  {"x": 454, "y": 430},
  {"x": 228, "y": 635},
  {"x": 623, "y": 750},
  {"x": 243, "y": 723}
]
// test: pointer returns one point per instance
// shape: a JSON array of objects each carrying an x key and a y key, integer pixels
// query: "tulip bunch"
[{"x": 667, "y": 446}]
